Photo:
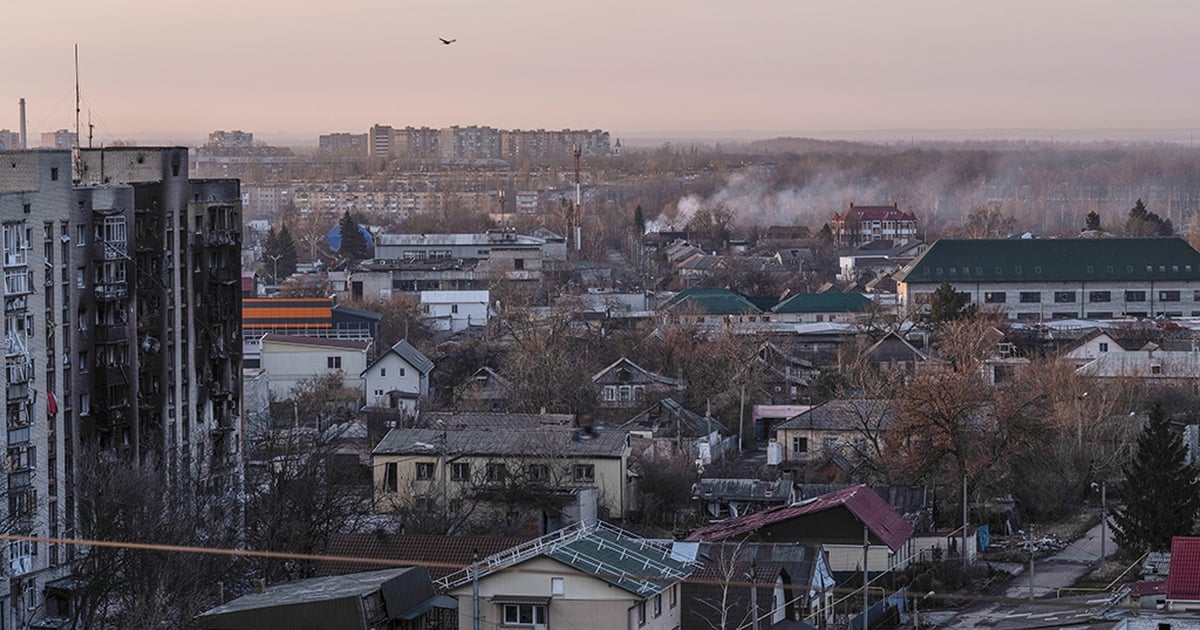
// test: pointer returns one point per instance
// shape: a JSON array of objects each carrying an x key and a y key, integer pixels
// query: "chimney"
[
  {"x": 260, "y": 586},
  {"x": 24, "y": 140}
]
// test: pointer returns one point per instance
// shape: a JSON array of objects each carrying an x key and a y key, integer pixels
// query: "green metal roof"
[
  {"x": 829, "y": 302},
  {"x": 633, "y": 564},
  {"x": 711, "y": 302},
  {"x": 1054, "y": 260}
]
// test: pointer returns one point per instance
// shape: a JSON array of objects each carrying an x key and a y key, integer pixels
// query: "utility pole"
[
  {"x": 753, "y": 596},
  {"x": 475, "y": 589},
  {"x": 866, "y": 593},
  {"x": 963, "y": 549}
]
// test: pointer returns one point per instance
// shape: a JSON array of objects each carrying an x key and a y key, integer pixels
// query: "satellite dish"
[{"x": 151, "y": 345}]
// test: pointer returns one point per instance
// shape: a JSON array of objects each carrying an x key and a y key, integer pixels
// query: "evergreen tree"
[
  {"x": 354, "y": 243},
  {"x": 279, "y": 254},
  {"x": 639, "y": 220},
  {"x": 946, "y": 304},
  {"x": 1161, "y": 491},
  {"x": 1141, "y": 222},
  {"x": 1093, "y": 221}
]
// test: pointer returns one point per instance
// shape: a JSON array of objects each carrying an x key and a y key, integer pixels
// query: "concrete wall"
[
  {"x": 288, "y": 365},
  {"x": 1082, "y": 307}
]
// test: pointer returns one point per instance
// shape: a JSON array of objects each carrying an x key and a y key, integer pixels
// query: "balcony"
[
  {"x": 111, "y": 290},
  {"x": 110, "y": 334},
  {"x": 111, "y": 250},
  {"x": 16, "y": 391},
  {"x": 17, "y": 283},
  {"x": 17, "y": 258}
]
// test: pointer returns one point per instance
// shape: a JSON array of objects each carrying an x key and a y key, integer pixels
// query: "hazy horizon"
[{"x": 702, "y": 69}]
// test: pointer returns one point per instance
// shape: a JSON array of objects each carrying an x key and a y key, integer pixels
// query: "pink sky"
[{"x": 634, "y": 67}]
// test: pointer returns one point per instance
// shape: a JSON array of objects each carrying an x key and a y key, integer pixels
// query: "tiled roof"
[
  {"x": 710, "y": 302},
  {"x": 828, "y": 302},
  {"x": 441, "y": 555},
  {"x": 547, "y": 441},
  {"x": 860, "y": 500},
  {"x": 1183, "y": 581},
  {"x": 1054, "y": 260},
  {"x": 484, "y": 420},
  {"x": 843, "y": 414},
  {"x": 875, "y": 213}
]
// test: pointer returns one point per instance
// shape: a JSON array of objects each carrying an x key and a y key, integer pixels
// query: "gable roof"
[
  {"x": 409, "y": 354},
  {"x": 843, "y": 414},
  {"x": 1144, "y": 364},
  {"x": 484, "y": 420},
  {"x": 743, "y": 490},
  {"x": 1183, "y": 580},
  {"x": 650, "y": 376},
  {"x": 828, "y": 302},
  {"x": 316, "y": 342},
  {"x": 441, "y": 555},
  {"x": 874, "y": 213},
  {"x": 711, "y": 302},
  {"x": 637, "y": 565},
  {"x": 691, "y": 424},
  {"x": 1054, "y": 260},
  {"x": 861, "y": 501},
  {"x": 545, "y": 442},
  {"x": 887, "y": 349}
]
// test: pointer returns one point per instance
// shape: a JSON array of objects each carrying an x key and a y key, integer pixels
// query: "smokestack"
[
  {"x": 578, "y": 203},
  {"x": 24, "y": 140}
]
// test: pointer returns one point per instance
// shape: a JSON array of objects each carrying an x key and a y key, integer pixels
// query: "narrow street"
[{"x": 1049, "y": 575}]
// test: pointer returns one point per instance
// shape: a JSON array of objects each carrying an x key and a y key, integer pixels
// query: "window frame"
[
  {"x": 583, "y": 473},
  {"x": 425, "y": 471}
]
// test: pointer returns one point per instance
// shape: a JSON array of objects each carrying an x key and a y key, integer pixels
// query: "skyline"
[{"x": 733, "y": 70}]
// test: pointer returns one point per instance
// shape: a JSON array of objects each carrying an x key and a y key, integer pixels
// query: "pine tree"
[
  {"x": 1093, "y": 221},
  {"x": 1141, "y": 222},
  {"x": 279, "y": 254},
  {"x": 639, "y": 220},
  {"x": 354, "y": 243},
  {"x": 1161, "y": 491},
  {"x": 946, "y": 304}
]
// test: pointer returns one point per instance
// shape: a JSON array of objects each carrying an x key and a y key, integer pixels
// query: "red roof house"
[
  {"x": 836, "y": 520},
  {"x": 1183, "y": 580}
]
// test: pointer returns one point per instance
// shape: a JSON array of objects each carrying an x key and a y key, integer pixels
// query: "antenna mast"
[
  {"x": 578, "y": 203},
  {"x": 78, "y": 157}
]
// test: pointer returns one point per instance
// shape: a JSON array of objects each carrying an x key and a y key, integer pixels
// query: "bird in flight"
[{"x": 447, "y": 41}]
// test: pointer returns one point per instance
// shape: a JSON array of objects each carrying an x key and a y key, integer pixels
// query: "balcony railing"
[
  {"x": 17, "y": 283},
  {"x": 111, "y": 290}
]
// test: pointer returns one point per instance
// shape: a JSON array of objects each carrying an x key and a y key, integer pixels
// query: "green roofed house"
[
  {"x": 702, "y": 302},
  {"x": 584, "y": 576},
  {"x": 830, "y": 306},
  {"x": 1035, "y": 279}
]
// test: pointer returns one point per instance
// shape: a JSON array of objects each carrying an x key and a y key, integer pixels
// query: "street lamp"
[
  {"x": 1079, "y": 419},
  {"x": 1103, "y": 488},
  {"x": 916, "y": 612},
  {"x": 275, "y": 274}
]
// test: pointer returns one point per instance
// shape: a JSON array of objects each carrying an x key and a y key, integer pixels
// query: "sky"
[{"x": 722, "y": 68}]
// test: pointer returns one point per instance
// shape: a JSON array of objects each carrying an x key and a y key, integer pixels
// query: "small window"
[
  {"x": 454, "y": 308},
  {"x": 658, "y": 605},
  {"x": 1037, "y": 269},
  {"x": 1135, "y": 296},
  {"x": 390, "y": 483},
  {"x": 1103, "y": 346},
  {"x": 518, "y": 263},
  {"x": 1099, "y": 296},
  {"x": 585, "y": 472},
  {"x": 558, "y": 586},
  {"x": 1091, "y": 269},
  {"x": 333, "y": 363},
  {"x": 994, "y": 297},
  {"x": 1031, "y": 297},
  {"x": 1168, "y": 296},
  {"x": 641, "y": 613},
  {"x": 424, "y": 471},
  {"x": 799, "y": 445},
  {"x": 674, "y": 595},
  {"x": 495, "y": 473},
  {"x": 1062, "y": 297},
  {"x": 1156, "y": 369},
  {"x": 460, "y": 471},
  {"x": 539, "y": 472},
  {"x": 27, "y": 208},
  {"x": 382, "y": 372},
  {"x": 53, "y": 173}
]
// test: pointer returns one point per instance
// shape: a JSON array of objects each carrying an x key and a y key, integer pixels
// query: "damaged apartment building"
[{"x": 124, "y": 337}]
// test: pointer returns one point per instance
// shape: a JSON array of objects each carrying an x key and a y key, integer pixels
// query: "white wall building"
[
  {"x": 398, "y": 379},
  {"x": 291, "y": 360},
  {"x": 454, "y": 311}
]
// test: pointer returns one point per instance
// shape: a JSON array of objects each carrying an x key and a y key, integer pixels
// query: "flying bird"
[{"x": 447, "y": 41}]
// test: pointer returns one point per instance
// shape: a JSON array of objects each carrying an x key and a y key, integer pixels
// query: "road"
[{"x": 1049, "y": 574}]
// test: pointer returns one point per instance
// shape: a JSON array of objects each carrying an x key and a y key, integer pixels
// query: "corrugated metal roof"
[
  {"x": 845, "y": 414},
  {"x": 861, "y": 501},
  {"x": 483, "y": 420},
  {"x": 274, "y": 313},
  {"x": 634, "y": 564},
  {"x": 828, "y": 302},
  {"x": 545, "y": 442},
  {"x": 318, "y": 342},
  {"x": 1054, "y": 260},
  {"x": 1183, "y": 581},
  {"x": 441, "y": 555},
  {"x": 710, "y": 302}
]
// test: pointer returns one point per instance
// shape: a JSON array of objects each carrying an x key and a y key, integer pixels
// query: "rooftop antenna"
[
  {"x": 90, "y": 127},
  {"x": 78, "y": 157},
  {"x": 24, "y": 138}
]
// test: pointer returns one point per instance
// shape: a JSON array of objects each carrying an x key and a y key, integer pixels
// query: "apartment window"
[
  {"x": 454, "y": 308},
  {"x": 53, "y": 173},
  {"x": 1103, "y": 346},
  {"x": 1168, "y": 296},
  {"x": 994, "y": 297},
  {"x": 390, "y": 483},
  {"x": 382, "y": 372},
  {"x": 424, "y": 471},
  {"x": 27, "y": 208},
  {"x": 1099, "y": 296},
  {"x": 460, "y": 471},
  {"x": 333, "y": 363},
  {"x": 1031, "y": 297},
  {"x": 539, "y": 472},
  {"x": 518, "y": 263},
  {"x": 674, "y": 595},
  {"x": 641, "y": 613},
  {"x": 658, "y": 604},
  {"x": 524, "y": 615},
  {"x": 1156, "y": 369},
  {"x": 1196, "y": 296},
  {"x": 85, "y": 404},
  {"x": 495, "y": 473},
  {"x": 585, "y": 472},
  {"x": 1061, "y": 297},
  {"x": 558, "y": 586},
  {"x": 799, "y": 445},
  {"x": 80, "y": 235},
  {"x": 1135, "y": 296}
]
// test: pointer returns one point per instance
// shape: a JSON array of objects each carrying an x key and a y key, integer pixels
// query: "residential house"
[
  {"x": 838, "y": 521},
  {"x": 782, "y": 377},
  {"x": 398, "y": 379},
  {"x": 1042, "y": 279},
  {"x": 788, "y": 582},
  {"x": 586, "y": 577},
  {"x": 292, "y": 360},
  {"x": 302, "y": 317},
  {"x": 894, "y": 352},
  {"x": 485, "y": 391},
  {"x": 1092, "y": 346},
  {"x": 1151, "y": 365},
  {"x": 1183, "y": 581},
  {"x": 830, "y": 306},
  {"x": 488, "y": 420},
  {"x": 391, "y": 599},
  {"x": 850, "y": 427},
  {"x": 667, "y": 427},
  {"x": 502, "y": 251},
  {"x": 700, "y": 306},
  {"x": 454, "y": 311},
  {"x": 877, "y": 259},
  {"x": 438, "y": 467},
  {"x": 723, "y": 498},
  {"x": 625, "y": 384},
  {"x": 859, "y": 225}
]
